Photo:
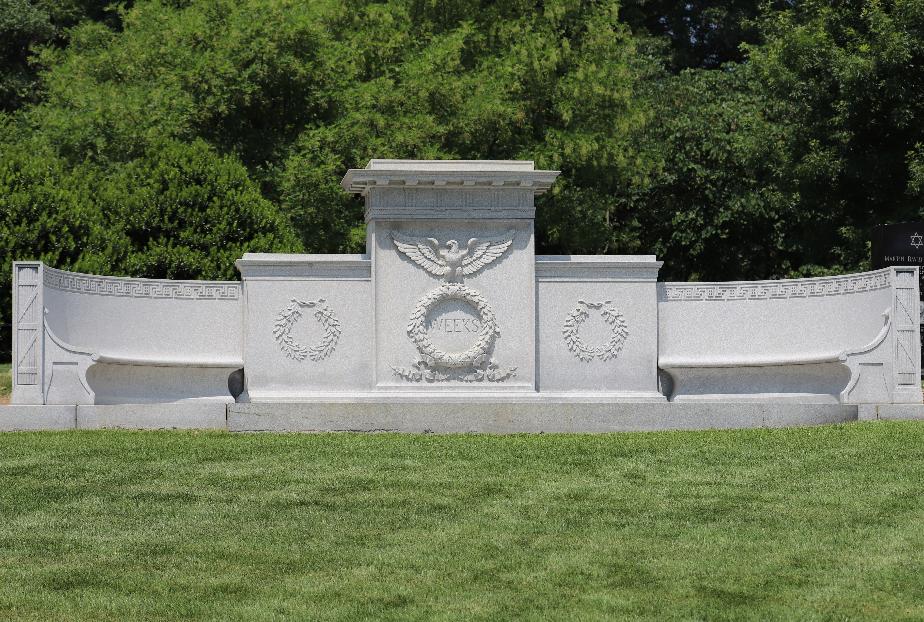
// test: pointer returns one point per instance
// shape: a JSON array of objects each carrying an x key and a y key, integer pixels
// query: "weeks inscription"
[{"x": 454, "y": 325}]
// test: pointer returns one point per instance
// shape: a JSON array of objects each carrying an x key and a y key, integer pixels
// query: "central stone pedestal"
[
  {"x": 450, "y": 299},
  {"x": 453, "y": 273}
]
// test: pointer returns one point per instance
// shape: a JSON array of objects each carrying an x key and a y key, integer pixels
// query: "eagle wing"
[
  {"x": 481, "y": 252},
  {"x": 421, "y": 251}
]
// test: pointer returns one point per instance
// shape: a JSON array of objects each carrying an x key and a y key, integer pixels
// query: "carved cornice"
[
  {"x": 449, "y": 175},
  {"x": 140, "y": 288},
  {"x": 360, "y": 181},
  {"x": 788, "y": 288}
]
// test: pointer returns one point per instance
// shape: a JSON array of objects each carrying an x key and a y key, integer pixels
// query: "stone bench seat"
[
  {"x": 808, "y": 359},
  {"x": 143, "y": 361},
  {"x": 115, "y": 340}
]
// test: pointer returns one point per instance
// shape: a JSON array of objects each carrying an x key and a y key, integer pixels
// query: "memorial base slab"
[
  {"x": 185, "y": 416},
  {"x": 416, "y": 415},
  {"x": 512, "y": 417}
]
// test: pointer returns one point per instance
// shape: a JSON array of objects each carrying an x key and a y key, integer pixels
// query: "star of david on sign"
[{"x": 917, "y": 240}]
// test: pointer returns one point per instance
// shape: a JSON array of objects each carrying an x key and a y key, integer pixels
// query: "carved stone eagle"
[{"x": 452, "y": 262}]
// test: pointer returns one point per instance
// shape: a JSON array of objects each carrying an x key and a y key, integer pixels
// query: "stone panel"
[
  {"x": 307, "y": 325},
  {"x": 598, "y": 325}
]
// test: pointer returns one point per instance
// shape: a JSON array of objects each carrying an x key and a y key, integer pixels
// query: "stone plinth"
[{"x": 453, "y": 272}]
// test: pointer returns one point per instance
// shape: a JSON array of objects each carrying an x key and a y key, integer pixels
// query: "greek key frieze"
[
  {"x": 140, "y": 288},
  {"x": 766, "y": 290}
]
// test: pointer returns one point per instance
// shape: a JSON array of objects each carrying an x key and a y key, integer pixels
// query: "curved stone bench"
[
  {"x": 111, "y": 340},
  {"x": 843, "y": 339}
]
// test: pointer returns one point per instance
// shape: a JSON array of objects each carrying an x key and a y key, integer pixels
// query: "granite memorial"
[{"x": 451, "y": 322}]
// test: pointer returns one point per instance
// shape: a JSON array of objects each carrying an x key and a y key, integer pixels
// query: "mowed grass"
[
  {"x": 6, "y": 383},
  {"x": 799, "y": 524}
]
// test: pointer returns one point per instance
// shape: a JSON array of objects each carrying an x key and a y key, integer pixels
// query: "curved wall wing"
[
  {"x": 124, "y": 340},
  {"x": 792, "y": 339}
]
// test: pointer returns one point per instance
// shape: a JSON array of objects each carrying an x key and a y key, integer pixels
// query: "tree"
[
  {"x": 183, "y": 211},
  {"x": 851, "y": 77},
  {"x": 717, "y": 205},
  {"x": 45, "y": 214},
  {"x": 26, "y": 25},
  {"x": 703, "y": 34}
]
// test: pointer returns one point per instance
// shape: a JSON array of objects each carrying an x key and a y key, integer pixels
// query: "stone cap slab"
[
  {"x": 600, "y": 268},
  {"x": 449, "y": 189},
  {"x": 320, "y": 267}
]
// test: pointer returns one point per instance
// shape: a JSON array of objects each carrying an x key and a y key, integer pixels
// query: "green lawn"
[
  {"x": 6, "y": 382},
  {"x": 800, "y": 524}
]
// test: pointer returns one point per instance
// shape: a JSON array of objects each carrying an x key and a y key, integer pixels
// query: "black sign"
[{"x": 901, "y": 244}]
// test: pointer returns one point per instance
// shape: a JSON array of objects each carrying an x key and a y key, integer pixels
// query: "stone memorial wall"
[{"x": 451, "y": 306}]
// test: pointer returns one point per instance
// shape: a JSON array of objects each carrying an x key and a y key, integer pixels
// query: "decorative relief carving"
[
  {"x": 140, "y": 288},
  {"x": 420, "y": 370},
  {"x": 286, "y": 319},
  {"x": 417, "y": 327},
  {"x": 451, "y": 263},
  {"x": 806, "y": 288},
  {"x": 471, "y": 365},
  {"x": 618, "y": 327}
]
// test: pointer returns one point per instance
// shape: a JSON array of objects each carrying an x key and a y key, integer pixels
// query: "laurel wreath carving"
[
  {"x": 475, "y": 356},
  {"x": 435, "y": 365},
  {"x": 611, "y": 315},
  {"x": 285, "y": 320},
  {"x": 420, "y": 370}
]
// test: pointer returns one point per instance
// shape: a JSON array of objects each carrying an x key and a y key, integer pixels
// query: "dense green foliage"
[
  {"x": 25, "y": 24},
  {"x": 805, "y": 524},
  {"x": 734, "y": 138}
]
